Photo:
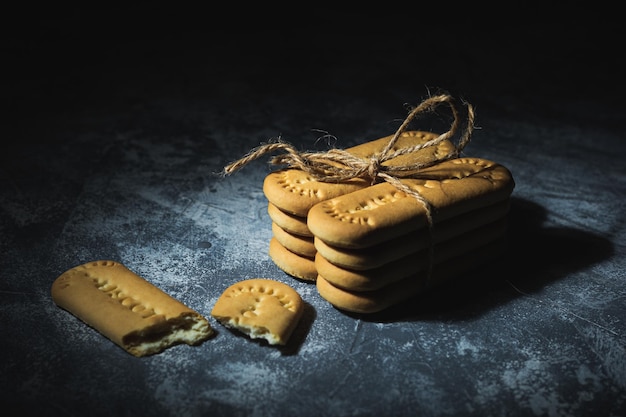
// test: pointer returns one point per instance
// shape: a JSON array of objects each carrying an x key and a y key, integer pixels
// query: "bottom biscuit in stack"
[{"x": 297, "y": 266}]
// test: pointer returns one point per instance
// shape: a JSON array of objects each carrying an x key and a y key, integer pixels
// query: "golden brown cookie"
[
  {"x": 295, "y": 191},
  {"x": 127, "y": 309},
  {"x": 288, "y": 222},
  {"x": 381, "y": 212},
  {"x": 293, "y": 264},
  {"x": 261, "y": 308},
  {"x": 465, "y": 231},
  {"x": 300, "y": 245}
]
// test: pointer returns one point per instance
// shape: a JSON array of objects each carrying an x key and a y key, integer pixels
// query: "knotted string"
[{"x": 337, "y": 165}]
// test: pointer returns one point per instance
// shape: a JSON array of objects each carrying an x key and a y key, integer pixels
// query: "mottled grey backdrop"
[{"x": 114, "y": 137}]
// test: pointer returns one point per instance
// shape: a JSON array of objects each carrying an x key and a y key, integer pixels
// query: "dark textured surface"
[{"x": 113, "y": 136}]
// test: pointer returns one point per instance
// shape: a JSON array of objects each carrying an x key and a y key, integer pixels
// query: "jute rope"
[{"x": 337, "y": 165}]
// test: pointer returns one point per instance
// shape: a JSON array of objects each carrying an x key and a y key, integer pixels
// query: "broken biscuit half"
[
  {"x": 130, "y": 311},
  {"x": 260, "y": 308}
]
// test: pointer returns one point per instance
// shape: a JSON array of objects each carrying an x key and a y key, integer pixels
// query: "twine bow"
[{"x": 336, "y": 165}]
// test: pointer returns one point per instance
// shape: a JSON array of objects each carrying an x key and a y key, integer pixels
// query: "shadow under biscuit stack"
[{"x": 368, "y": 247}]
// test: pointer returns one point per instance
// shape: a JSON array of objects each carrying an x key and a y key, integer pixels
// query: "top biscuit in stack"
[{"x": 295, "y": 191}]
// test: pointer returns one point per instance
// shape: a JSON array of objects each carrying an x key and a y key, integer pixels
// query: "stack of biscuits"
[
  {"x": 378, "y": 246},
  {"x": 291, "y": 193},
  {"x": 368, "y": 247}
]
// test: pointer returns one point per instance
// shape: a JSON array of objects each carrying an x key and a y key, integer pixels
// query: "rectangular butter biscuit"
[
  {"x": 482, "y": 223},
  {"x": 130, "y": 311},
  {"x": 295, "y": 191},
  {"x": 382, "y": 212}
]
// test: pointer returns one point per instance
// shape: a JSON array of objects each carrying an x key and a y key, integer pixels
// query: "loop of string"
[{"x": 337, "y": 165}]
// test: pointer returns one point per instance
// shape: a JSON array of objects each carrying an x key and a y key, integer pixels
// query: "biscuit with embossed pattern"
[
  {"x": 474, "y": 225},
  {"x": 127, "y": 309},
  {"x": 295, "y": 191},
  {"x": 382, "y": 212},
  {"x": 382, "y": 274}
]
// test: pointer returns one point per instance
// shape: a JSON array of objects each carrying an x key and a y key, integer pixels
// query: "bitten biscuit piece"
[
  {"x": 382, "y": 212},
  {"x": 295, "y": 191},
  {"x": 261, "y": 308},
  {"x": 127, "y": 309}
]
